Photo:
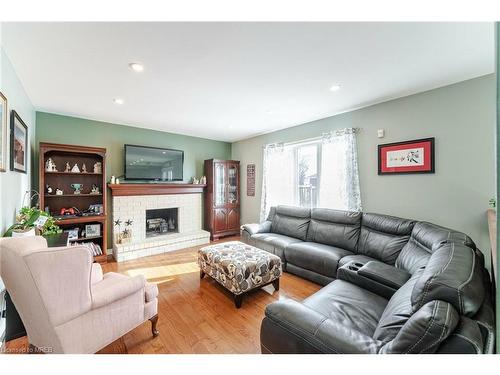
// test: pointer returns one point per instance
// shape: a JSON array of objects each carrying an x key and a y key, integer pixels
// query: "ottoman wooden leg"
[
  {"x": 238, "y": 298},
  {"x": 202, "y": 274},
  {"x": 276, "y": 284}
]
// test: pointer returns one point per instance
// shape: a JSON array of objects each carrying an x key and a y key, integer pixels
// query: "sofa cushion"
[
  {"x": 397, "y": 311},
  {"x": 316, "y": 257},
  {"x": 291, "y": 221},
  {"x": 426, "y": 329},
  {"x": 349, "y": 305},
  {"x": 382, "y": 237},
  {"x": 334, "y": 227},
  {"x": 309, "y": 275},
  {"x": 425, "y": 238},
  {"x": 453, "y": 274},
  {"x": 273, "y": 243}
]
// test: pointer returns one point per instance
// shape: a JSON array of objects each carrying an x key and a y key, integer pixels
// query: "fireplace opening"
[{"x": 162, "y": 221}]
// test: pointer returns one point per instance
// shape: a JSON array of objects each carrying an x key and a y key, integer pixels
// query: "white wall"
[
  {"x": 462, "y": 119},
  {"x": 13, "y": 185}
]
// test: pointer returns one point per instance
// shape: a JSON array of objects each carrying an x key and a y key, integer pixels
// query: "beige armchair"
[{"x": 66, "y": 303}]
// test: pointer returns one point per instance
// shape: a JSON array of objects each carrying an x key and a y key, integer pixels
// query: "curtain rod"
[{"x": 317, "y": 138}]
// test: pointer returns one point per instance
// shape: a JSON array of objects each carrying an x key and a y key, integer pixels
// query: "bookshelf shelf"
[
  {"x": 71, "y": 195},
  {"x": 85, "y": 238},
  {"x": 75, "y": 174}
]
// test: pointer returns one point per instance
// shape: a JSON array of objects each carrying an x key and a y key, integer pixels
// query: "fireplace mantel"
[{"x": 124, "y": 189}]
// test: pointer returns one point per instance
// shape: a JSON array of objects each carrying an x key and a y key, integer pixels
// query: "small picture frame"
[
  {"x": 415, "y": 156},
  {"x": 92, "y": 230},
  {"x": 18, "y": 143},
  {"x": 251, "y": 180},
  {"x": 72, "y": 234}
]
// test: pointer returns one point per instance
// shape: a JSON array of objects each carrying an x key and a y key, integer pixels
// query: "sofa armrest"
[
  {"x": 292, "y": 327},
  {"x": 384, "y": 274},
  {"x": 374, "y": 276},
  {"x": 114, "y": 287},
  {"x": 251, "y": 229}
]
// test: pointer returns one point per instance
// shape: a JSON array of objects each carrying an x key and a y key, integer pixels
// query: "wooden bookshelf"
[{"x": 62, "y": 154}]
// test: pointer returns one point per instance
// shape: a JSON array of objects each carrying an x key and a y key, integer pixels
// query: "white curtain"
[
  {"x": 339, "y": 180},
  {"x": 278, "y": 177}
]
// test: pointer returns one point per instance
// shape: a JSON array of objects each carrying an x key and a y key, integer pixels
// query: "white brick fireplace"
[{"x": 128, "y": 204}]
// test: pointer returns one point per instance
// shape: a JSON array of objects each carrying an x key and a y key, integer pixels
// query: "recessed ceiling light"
[
  {"x": 335, "y": 88},
  {"x": 136, "y": 67},
  {"x": 118, "y": 101}
]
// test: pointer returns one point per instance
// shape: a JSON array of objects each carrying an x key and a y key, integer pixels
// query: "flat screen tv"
[{"x": 152, "y": 163}]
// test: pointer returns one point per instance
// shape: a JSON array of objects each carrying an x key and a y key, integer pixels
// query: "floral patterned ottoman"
[{"x": 239, "y": 267}]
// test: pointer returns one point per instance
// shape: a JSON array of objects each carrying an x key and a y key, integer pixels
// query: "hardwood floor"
[{"x": 197, "y": 316}]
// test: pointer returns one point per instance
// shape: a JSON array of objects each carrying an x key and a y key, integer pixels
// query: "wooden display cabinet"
[
  {"x": 222, "y": 198},
  {"x": 60, "y": 155}
]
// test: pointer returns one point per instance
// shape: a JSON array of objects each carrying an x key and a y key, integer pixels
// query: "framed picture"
[
  {"x": 415, "y": 156},
  {"x": 18, "y": 143},
  {"x": 92, "y": 230},
  {"x": 72, "y": 234},
  {"x": 251, "y": 180},
  {"x": 3, "y": 133}
]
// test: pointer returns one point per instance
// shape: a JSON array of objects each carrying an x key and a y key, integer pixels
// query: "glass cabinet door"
[
  {"x": 232, "y": 185},
  {"x": 220, "y": 184}
]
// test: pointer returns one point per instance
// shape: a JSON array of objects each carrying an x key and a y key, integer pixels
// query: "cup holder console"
[{"x": 355, "y": 266}]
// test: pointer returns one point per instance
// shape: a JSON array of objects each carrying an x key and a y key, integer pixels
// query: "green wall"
[
  {"x": 72, "y": 130},
  {"x": 462, "y": 119}
]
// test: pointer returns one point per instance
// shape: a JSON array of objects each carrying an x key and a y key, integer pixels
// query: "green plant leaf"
[{"x": 31, "y": 219}]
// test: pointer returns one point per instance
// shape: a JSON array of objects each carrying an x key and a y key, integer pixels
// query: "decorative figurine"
[
  {"x": 203, "y": 180},
  {"x": 75, "y": 169},
  {"x": 68, "y": 168},
  {"x": 95, "y": 189},
  {"x": 117, "y": 181},
  {"x": 98, "y": 167},
  {"x": 50, "y": 166},
  {"x": 49, "y": 189},
  {"x": 195, "y": 181},
  {"x": 127, "y": 232},
  {"x": 77, "y": 187},
  {"x": 84, "y": 168},
  {"x": 113, "y": 180},
  {"x": 118, "y": 236},
  {"x": 59, "y": 192}
]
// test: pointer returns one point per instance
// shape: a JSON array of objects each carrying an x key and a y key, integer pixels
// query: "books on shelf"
[{"x": 94, "y": 248}]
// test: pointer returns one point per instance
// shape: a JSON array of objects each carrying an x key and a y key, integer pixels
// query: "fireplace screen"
[{"x": 161, "y": 221}]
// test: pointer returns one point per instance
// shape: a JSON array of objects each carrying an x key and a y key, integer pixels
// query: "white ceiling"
[{"x": 230, "y": 81}]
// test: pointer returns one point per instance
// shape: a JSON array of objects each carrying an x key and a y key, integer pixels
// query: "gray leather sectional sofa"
[{"x": 392, "y": 285}]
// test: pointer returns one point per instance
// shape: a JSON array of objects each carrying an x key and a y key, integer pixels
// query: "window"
[
  {"x": 319, "y": 173},
  {"x": 307, "y": 172}
]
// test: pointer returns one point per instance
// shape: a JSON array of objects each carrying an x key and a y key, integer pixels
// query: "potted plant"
[{"x": 31, "y": 221}]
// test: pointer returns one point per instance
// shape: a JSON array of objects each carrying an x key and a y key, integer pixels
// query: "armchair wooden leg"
[
  {"x": 202, "y": 274},
  {"x": 153, "y": 321}
]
